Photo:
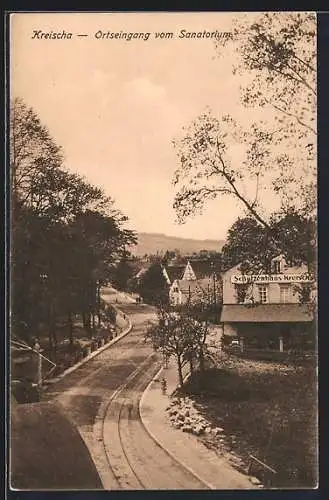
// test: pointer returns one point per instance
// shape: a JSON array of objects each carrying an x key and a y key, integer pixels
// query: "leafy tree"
[
  {"x": 179, "y": 335},
  {"x": 279, "y": 51},
  {"x": 66, "y": 234},
  {"x": 297, "y": 234},
  {"x": 219, "y": 157},
  {"x": 33, "y": 152},
  {"x": 248, "y": 242},
  {"x": 200, "y": 312},
  {"x": 153, "y": 286},
  {"x": 98, "y": 242},
  {"x": 210, "y": 169},
  {"x": 168, "y": 256},
  {"x": 275, "y": 52},
  {"x": 205, "y": 303},
  {"x": 289, "y": 233},
  {"x": 122, "y": 274},
  {"x": 39, "y": 180},
  {"x": 253, "y": 247}
]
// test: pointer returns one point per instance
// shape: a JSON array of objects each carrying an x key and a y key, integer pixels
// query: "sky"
[{"x": 116, "y": 105}]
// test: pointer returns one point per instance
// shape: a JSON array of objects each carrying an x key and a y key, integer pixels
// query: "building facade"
[{"x": 265, "y": 310}]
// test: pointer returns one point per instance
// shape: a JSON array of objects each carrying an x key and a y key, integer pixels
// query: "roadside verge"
[
  {"x": 202, "y": 462},
  {"x": 93, "y": 354}
]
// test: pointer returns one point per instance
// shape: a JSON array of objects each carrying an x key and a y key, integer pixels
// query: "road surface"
[
  {"x": 43, "y": 446},
  {"x": 102, "y": 399}
]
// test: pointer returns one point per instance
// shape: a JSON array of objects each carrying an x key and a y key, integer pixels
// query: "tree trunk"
[
  {"x": 52, "y": 326},
  {"x": 180, "y": 372},
  {"x": 84, "y": 319},
  {"x": 201, "y": 360},
  {"x": 50, "y": 340},
  {"x": 88, "y": 323},
  {"x": 53, "y": 337},
  {"x": 99, "y": 305},
  {"x": 70, "y": 324},
  {"x": 53, "y": 331}
]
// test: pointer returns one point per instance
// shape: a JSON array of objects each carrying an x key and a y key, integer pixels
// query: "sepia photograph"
[{"x": 162, "y": 175}]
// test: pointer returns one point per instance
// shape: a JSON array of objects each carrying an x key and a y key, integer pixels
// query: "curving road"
[{"x": 102, "y": 399}]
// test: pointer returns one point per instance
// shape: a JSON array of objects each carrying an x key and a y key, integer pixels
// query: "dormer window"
[{"x": 277, "y": 267}]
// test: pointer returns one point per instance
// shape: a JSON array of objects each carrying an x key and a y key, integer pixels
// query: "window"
[
  {"x": 263, "y": 295},
  {"x": 277, "y": 267},
  {"x": 284, "y": 293}
]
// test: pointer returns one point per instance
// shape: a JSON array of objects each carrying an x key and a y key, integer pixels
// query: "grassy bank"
[
  {"x": 266, "y": 409},
  {"x": 24, "y": 364}
]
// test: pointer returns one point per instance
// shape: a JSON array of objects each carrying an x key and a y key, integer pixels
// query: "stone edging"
[
  {"x": 93, "y": 354},
  {"x": 141, "y": 403}
]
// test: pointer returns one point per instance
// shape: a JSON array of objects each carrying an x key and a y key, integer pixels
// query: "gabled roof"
[
  {"x": 204, "y": 268},
  {"x": 175, "y": 272},
  {"x": 141, "y": 272}
]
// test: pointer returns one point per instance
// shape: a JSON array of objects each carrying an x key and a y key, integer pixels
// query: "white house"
[
  {"x": 199, "y": 281},
  {"x": 265, "y": 308},
  {"x": 184, "y": 291}
]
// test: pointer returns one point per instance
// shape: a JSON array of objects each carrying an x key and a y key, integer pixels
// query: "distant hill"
[{"x": 151, "y": 243}]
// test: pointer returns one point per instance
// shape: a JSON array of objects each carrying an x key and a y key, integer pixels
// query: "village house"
[
  {"x": 197, "y": 280},
  {"x": 265, "y": 310}
]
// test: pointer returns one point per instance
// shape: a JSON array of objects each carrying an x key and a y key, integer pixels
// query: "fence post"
[
  {"x": 281, "y": 343},
  {"x": 39, "y": 366}
]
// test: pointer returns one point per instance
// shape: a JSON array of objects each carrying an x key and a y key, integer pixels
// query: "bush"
[{"x": 110, "y": 314}]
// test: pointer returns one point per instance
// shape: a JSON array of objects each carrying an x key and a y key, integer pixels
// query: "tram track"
[
  {"x": 135, "y": 459},
  {"x": 102, "y": 399}
]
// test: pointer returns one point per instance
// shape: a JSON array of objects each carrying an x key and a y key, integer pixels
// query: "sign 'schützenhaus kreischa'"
[{"x": 272, "y": 278}]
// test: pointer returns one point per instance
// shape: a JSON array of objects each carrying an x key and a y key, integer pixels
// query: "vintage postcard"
[{"x": 163, "y": 295}]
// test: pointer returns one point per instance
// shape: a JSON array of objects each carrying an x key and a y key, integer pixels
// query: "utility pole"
[
  {"x": 214, "y": 287},
  {"x": 98, "y": 299}
]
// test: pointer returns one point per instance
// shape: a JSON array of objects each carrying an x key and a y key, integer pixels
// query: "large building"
[{"x": 265, "y": 310}]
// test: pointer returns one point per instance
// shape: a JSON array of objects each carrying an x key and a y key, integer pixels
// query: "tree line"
[{"x": 66, "y": 234}]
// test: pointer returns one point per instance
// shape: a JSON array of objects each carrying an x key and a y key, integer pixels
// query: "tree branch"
[
  {"x": 238, "y": 195},
  {"x": 256, "y": 194},
  {"x": 292, "y": 115},
  {"x": 301, "y": 79},
  {"x": 304, "y": 62}
]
